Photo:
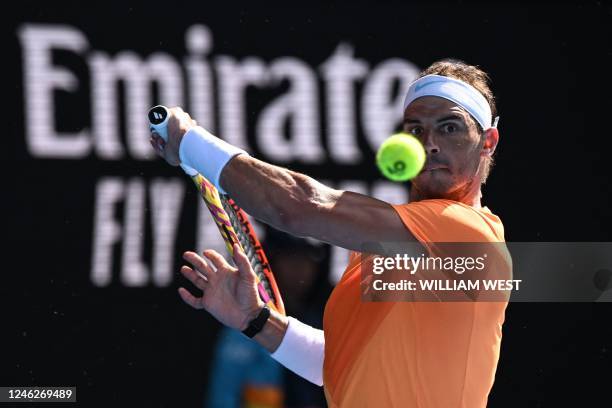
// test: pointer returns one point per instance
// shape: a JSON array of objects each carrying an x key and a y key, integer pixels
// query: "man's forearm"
[
  {"x": 272, "y": 194},
  {"x": 271, "y": 336}
]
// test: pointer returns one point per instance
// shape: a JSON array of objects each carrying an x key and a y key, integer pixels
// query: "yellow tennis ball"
[{"x": 401, "y": 157}]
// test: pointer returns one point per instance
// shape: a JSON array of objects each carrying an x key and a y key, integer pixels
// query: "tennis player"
[{"x": 369, "y": 354}]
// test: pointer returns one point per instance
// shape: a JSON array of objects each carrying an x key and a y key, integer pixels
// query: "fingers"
[
  {"x": 199, "y": 263},
  {"x": 153, "y": 145},
  {"x": 198, "y": 280},
  {"x": 191, "y": 300},
  {"x": 157, "y": 142},
  {"x": 199, "y": 277},
  {"x": 158, "y": 139},
  {"x": 242, "y": 262},
  {"x": 179, "y": 112},
  {"x": 216, "y": 259},
  {"x": 182, "y": 117}
]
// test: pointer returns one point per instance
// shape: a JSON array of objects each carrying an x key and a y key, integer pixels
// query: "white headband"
[{"x": 456, "y": 91}]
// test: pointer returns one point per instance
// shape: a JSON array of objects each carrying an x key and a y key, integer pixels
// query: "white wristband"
[
  {"x": 206, "y": 154},
  {"x": 302, "y": 350}
]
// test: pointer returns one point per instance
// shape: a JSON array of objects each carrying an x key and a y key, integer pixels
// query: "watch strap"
[{"x": 257, "y": 324}]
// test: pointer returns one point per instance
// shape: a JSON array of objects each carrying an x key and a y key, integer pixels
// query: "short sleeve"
[{"x": 449, "y": 221}]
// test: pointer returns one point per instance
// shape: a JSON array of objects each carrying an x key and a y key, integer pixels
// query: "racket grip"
[
  {"x": 158, "y": 121},
  {"x": 188, "y": 170}
]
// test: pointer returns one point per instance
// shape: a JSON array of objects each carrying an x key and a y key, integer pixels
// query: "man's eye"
[
  {"x": 415, "y": 131},
  {"x": 449, "y": 128}
]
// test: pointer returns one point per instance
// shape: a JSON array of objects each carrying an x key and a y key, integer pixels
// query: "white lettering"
[
  {"x": 41, "y": 79},
  {"x": 381, "y": 106},
  {"x": 137, "y": 76},
  {"x": 166, "y": 201},
  {"x": 198, "y": 40},
  {"x": 340, "y": 72},
  {"x": 107, "y": 230},
  {"x": 234, "y": 78},
  {"x": 134, "y": 271},
  {"x": 299, "y": 106}
]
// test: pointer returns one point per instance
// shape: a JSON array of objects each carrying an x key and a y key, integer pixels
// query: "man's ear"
[{"x": 491, "y": 138}]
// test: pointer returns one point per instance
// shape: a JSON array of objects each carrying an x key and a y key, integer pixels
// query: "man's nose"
[{"x": 429, "y": 143}]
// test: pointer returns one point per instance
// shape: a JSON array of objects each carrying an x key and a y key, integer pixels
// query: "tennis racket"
[{"x": 232, "y": 222}]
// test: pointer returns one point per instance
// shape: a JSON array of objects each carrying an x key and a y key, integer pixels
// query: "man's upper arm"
[
  {"x": 352, "y": 220},
  {"x": 301, "y": 206}
]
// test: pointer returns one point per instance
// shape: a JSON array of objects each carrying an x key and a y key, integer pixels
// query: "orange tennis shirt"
[{"x": 414, "y": 354}]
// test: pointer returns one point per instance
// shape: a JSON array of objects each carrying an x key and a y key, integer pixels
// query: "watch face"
[{"x": 157, "y": 115}]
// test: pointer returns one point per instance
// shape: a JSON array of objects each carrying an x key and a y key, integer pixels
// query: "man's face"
[{"x": 453, "y": 146}]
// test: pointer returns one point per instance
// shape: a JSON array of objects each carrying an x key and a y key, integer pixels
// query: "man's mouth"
[{"x": 431, "y": 167}]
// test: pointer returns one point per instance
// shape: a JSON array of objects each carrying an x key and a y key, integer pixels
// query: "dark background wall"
[{"x": 120, "y": 343}]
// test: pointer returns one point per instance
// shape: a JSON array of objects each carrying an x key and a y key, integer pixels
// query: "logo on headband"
[{"x": 422, "y": 85}]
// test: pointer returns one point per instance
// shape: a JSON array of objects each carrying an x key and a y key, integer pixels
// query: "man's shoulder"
[
  {"x": 446, "y": 219},
  {"x": 443, "y": 205}
]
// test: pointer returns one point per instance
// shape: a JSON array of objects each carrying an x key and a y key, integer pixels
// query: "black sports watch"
[{"x": 257, "y": 323}]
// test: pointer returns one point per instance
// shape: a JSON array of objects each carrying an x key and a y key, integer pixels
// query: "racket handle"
[
  {"x": 158, "y": 121},
  {"x": 188, "y": 170}
]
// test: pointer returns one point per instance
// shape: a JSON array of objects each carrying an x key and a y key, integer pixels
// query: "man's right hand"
[
  {"x": 179, "y": 123},
  {"x": 229, "y": 294}
]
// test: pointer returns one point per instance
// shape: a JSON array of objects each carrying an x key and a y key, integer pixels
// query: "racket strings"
[{"x": 251, "y": 247}]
